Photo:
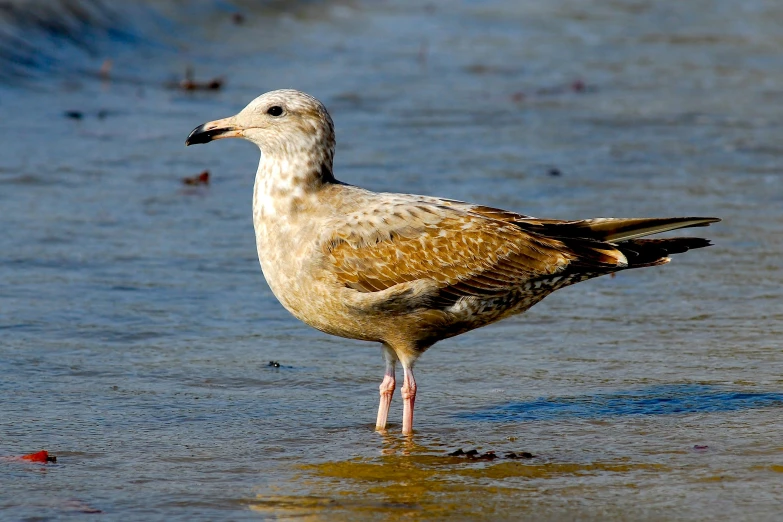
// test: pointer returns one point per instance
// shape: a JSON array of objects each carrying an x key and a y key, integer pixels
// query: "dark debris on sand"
[
  {"x": 276, "y": 364},
  {"x": 489, "y": 455},
  {"x": 189, "y": 83},
  {"x": 201, "y": 179}
]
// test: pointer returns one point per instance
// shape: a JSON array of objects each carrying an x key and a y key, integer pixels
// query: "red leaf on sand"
[
  {"x": 201, "y": 179},
  {"x": 40, "y": 456}
]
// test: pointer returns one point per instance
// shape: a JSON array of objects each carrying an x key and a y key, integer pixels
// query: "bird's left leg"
[
  {"x": 408, "y": 398},
  {"x": 386, "y": 387}
]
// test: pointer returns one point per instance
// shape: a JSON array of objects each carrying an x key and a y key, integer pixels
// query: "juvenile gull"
[{"x": 403, "y": 270}]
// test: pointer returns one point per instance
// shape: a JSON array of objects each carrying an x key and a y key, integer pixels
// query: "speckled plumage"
[{"x": 406, "y": 270}]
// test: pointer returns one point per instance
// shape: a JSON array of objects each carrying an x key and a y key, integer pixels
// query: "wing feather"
[{"x": 464, "y": 253}]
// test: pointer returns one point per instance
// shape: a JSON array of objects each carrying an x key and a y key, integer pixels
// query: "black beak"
[
  {"x": 202, "y": 135},
  {"x": 210, "y": 131}
]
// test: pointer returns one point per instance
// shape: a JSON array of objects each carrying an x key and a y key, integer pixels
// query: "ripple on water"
[{"x": 655, "y": 400}]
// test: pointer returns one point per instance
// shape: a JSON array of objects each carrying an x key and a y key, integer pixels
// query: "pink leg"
[
  {"x": 387, "y": 389},
  {"x": 408, "y": 398}
]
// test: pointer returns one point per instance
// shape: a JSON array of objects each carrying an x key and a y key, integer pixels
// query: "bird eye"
[{"x": 275, "y": 110}]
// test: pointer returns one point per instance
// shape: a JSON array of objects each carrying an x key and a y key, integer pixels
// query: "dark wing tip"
[{"x": 705, "y": 221}]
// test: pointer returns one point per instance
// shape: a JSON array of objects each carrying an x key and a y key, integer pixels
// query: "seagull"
[{"x": 404, "y": 270}]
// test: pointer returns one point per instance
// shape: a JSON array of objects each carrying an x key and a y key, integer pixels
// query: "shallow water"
[{"x": 136, "y": 328}]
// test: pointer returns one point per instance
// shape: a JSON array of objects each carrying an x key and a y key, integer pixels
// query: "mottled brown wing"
[{"x": 469, "y": 253}]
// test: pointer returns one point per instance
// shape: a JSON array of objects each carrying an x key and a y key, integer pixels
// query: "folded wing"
[{"x": 464, "y": 252}]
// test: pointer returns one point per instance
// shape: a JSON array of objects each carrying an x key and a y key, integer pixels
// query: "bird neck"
[{"x": 287, "y": 183}]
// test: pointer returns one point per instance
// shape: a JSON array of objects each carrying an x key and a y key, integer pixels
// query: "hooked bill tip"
[
  {"x": 198, "y": 135},
  {"x": 202, "y": 134}
]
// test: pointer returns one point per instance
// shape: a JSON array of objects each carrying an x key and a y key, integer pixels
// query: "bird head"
[{"x": 281, "y": 123}]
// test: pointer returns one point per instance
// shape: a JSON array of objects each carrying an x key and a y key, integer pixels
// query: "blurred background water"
[{"x": 136, "y": 329}]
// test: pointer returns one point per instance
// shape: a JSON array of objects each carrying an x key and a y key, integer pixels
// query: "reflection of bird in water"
[{"x": 405, "y": 270}]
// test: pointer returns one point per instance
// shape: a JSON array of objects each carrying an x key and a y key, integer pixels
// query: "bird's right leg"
[{"x": 386, "y": 387}]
